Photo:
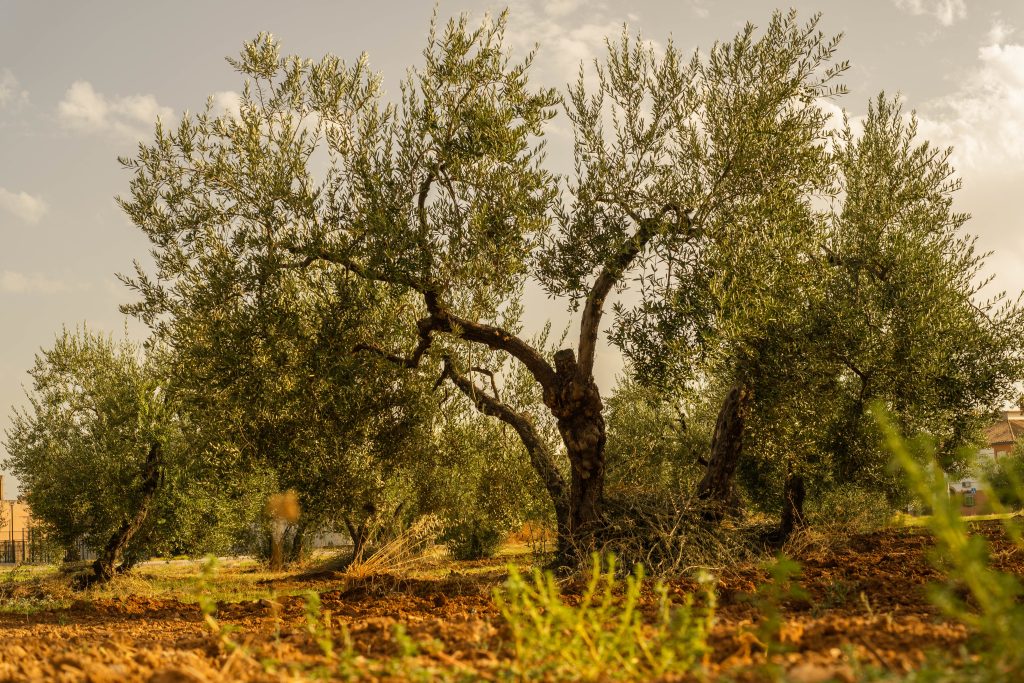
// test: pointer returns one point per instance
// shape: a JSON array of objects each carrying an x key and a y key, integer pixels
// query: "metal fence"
[{"x": 29, "y": 546}]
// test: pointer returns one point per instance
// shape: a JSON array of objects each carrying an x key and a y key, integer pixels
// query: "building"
[
  {"x": 1003, "y": 434},
  {"x": 15, "y": 528},
  {"x": 13, "y": 510}
]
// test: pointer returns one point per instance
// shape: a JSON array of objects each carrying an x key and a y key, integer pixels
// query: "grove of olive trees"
[{"x": 336, "y": 300}]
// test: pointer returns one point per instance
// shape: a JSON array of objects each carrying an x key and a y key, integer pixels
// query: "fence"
[{"x": 29, "y": 546}]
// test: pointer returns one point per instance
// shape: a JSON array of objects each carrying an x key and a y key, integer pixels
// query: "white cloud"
[
  {"x": 23, "y": 205},
  {"x": 560, "y": 8},
  {"x": 11, "y": 92},
  {"x": 130, "y": 118},
  {"x": 567, "y": 34},
  {"x": 1000, "y": 32},
  {"x": 947, "y": 12},
  {"x": 18, "y": 283},
  {"x": 226, "y": 102},
  {"x": 984, "y": 117}
]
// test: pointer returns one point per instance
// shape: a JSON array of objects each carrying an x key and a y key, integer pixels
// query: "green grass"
[{"x": 236, "y": 580}]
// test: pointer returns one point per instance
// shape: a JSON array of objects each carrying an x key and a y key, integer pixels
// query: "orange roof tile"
[{"x": 1004, "y": 432}]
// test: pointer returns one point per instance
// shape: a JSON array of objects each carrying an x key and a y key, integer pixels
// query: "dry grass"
[{"x": 402, "y": 554}]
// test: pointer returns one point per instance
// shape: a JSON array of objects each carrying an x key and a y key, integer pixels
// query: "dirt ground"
[{"x": 866, "y": 607}]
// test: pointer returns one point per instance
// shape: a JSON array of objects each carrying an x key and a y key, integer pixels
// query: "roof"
[{"x": 1004, "y": 432}]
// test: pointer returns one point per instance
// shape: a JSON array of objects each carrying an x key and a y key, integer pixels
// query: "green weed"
[
  {"x": 604, "y": 635},
  {"x": 783, "y": 586}
]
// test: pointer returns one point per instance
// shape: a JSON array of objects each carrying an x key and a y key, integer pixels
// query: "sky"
[{"x": 83, "y": 82}]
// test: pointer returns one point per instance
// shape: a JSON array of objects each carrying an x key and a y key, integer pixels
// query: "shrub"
[
  {"x": 1004, "y": 476},
  {"x": 472, "y": 540},
  {"x": 849, "y": 509}
]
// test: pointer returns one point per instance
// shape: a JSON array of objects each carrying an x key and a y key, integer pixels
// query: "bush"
[
  {"x": 472, "y": 540},
  {"x": 1005, "y": 476},
  {"x": 849, "y": 509}
]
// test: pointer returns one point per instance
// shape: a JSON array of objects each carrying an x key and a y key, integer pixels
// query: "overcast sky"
[{"x": 82, "y": 82}]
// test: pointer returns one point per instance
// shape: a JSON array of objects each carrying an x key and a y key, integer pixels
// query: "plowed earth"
[{"x": 867, "y": 605}]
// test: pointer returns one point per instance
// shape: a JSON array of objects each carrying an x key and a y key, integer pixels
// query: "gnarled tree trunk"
[
  {"x": 359, "y": 534},
  {"x": 716, "y": 489},
  {"x": 108, "y": 563},
  {"x": 576, "y": 404},
  {"x": 296, "y": 549},
  {"x": 71, "y": 553}
]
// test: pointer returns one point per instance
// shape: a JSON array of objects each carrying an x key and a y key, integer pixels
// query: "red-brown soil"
[{"x": 867, "y": 603}]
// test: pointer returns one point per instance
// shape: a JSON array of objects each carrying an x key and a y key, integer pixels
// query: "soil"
[{"x": 866, "y": 605}]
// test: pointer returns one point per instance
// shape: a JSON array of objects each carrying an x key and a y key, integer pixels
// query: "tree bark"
[
  {"x": 108, "y": 562},
  {"x": 792, "y": 505},
  {"x": 359, "y": 534},
  {"x": 576, "y": 404},
  {"x": 71, "y": 554},
  {"x": 716, "y": 489},
  {"x": 296, "y": 550}
]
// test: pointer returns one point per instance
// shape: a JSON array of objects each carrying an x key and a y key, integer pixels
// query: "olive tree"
[
  {"x": 442, "y": 200},
  {"x": 271, "y": 386},
  {"x": 880, "y": 303},
  {"x": 92, "y": 445}
]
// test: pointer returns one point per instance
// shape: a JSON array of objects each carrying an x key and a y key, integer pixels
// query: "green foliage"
[
  {"x": 496, "y": 490},
  {"x": 472, "y": 540},
  {"x": 850, "y": 509},
  {"x": 95, "y": 409},
  {"x": 884, "y": 305},
  {"x": 1005, "y": 477},
  {"x": 324, "y": 218},
  {"x": 653, "y": 444},
  {"x": 602, "y": 635}
]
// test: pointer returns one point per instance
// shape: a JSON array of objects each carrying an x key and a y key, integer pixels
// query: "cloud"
[
  {"x": 129, "y": 118},
  {"x": 11, "y": 92},
  {"x": 23, "y": 205},
  {"x": 19, "y": 283},
  {"x": 947, "y": 12},
  {"x": 227, "y": 102},
  {"x": 700, "y": 8},
  {"x": 568, "y": 31},
  {"x": 1000, "y": 32},
  {"x": 984, "y": 117}
]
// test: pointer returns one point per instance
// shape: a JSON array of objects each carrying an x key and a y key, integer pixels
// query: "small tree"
[{"x": 92, "y": 445}]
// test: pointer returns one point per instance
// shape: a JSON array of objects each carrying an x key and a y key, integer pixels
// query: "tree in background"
[
  {"x": 271, "y": 385},
  {"x": 899, "y": 317},
  {"x": 877, "y": 299},
  {"x": 92, "y": 447}
]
